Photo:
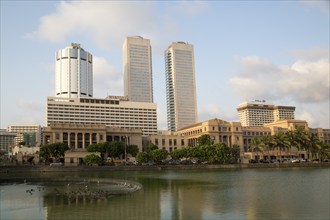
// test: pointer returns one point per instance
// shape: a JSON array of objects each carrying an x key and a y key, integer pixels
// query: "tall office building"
[
  {"x": 180, "y": 86},
  {"x": 137, "y": 69},
  {"x": 258, "y": 113},
  {"x": 74, "y": 72}
]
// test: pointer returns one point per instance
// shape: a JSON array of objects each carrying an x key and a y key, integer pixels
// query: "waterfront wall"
[{"x": 45, "y": 168}]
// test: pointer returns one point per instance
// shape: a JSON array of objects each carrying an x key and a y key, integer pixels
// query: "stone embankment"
[{"x": 45, "y": 168}]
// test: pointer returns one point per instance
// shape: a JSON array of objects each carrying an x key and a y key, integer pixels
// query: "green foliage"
[
  {"x": 93, "y": 148},
  {"x": 56, "y": 150},
  {"x": 158, "y": 155},
  {"x": 142, "y": 157},
  {"x": 204, "y": 139},
  {"x": 132, "y": 150},
  {"x": 151, "y": 147},
  {"x": 44, "y": 152},
  {"x": 92, "y": 159},
  {"x": 179, "y": 153}
]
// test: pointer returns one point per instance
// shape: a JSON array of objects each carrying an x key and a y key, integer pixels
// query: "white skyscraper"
[
  {"x": 137, "y": 69},
  {"x": 74, "y": 72},
  {"x": 180, "y": 86}
]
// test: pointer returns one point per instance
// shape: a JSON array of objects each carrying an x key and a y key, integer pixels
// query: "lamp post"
[{"x": 125, "y": 138}]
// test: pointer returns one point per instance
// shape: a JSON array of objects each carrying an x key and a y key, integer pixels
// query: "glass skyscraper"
[
  {"x": 180, "y": 86},
  {"x": 137, "y": 69}
]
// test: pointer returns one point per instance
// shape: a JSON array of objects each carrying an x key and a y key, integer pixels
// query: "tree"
[
  {"x": 314, "y": 144},
  {"x": 179, "y": 153},
  {"x": 92, "y": 159},
  {"x": 158, "y": 155},
  {"x": 281, "y": 142},
  {"x": 44, "y": 153},
  {"x": 56, "y": 150},
  {"x": 268, "y": 142},
  {"x": 324, "y": 151},
  {"x": 204, "y": 139},
  {"x": 235, "y": 153},
  {"x": 257, "y": 146},
  {"x": 132, "y": 150},
  {"x": 142, "y": 157},
  {"x": 151, "y": 147}
]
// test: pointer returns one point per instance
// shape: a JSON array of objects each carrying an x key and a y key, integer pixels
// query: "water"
[{"x": 292, "y": 193}]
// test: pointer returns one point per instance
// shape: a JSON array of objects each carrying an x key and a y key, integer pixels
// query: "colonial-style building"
[{"x": 80, "y": 136}]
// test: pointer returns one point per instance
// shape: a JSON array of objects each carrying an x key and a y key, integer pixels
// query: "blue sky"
[{"x": 244, "y": 50}]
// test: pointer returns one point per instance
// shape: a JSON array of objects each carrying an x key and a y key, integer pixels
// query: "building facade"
[
  {"x": 220, "y": 131},
  {"x": 138, "y": 86},
  {"x": 80, "y": 136},
  {"x": 74, "y": 72},
  {"x": 115, "y": 111},
  {"x": 258, "y": 113},
  {"x": 30, "y": 134},
  {"x": 180, "y": 86},
  {"x": 7, "y": 140}
]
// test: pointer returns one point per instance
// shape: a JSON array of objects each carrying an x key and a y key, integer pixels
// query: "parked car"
[{"x": 252, "y": 161}]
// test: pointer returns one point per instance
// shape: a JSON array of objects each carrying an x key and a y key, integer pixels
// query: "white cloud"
[
  {"x": 107, "y": 23},
  {"x": 302, "y": 81},
  {"x": 106, "y": 78},
  {"x": 305, "y": 84}
]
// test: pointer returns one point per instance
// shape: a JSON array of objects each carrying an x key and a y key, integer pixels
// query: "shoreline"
[{"x": 47, "y": 168}]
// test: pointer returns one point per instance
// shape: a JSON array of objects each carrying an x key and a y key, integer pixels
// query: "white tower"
[
  {"x": 74, "y": 72},
  {"x": 137, "y": 69},
  {"x": 180, "y": 86}
]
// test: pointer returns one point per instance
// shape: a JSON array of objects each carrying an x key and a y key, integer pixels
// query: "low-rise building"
[
  {"x": 7, "y": 140},
  {"x": 80, "y": 136},
  {"x": 30, "y": 134}
]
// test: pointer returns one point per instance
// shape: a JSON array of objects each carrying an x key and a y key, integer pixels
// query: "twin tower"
[{"x": 74, "y": 77}]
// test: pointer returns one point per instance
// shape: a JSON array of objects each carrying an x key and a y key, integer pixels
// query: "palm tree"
[
  {"x": 281, "y": 142},
  {"x": 324, "y": 151},
  {"x": 268, "y": 142},
  {"x": 257, "y": 146},
  {"x": 314, "y": 144},
  {"x": 301, "y": 139}
]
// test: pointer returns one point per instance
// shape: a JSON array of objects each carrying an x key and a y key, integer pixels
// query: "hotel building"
[
  {"x": 180, "y": 86},
  {"x": 137, "y": 69},
  {"x": 115, "y": 111},
  {"x": 258, "y": 113},
  {"x": 74, "y": 72}
]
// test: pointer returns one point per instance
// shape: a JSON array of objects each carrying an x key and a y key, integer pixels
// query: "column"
[
  {"x": 83, "y": 141},
  {"x": 75, "y": 140}
]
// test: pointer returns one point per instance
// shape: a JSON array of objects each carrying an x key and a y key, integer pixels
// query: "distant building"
[
  {"x": 258, "y": 113},
  {"x": 30, "y": 134},
  {"x": 7, "y": 140},
  {"x": 74, "y": 72},
  {"x": 137, "y": 69},
  {"x": 115, "y": 111},
  {"x": 180, "y": 86}
]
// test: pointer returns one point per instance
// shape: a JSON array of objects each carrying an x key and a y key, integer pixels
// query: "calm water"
[{"x": 293, "y": 193}]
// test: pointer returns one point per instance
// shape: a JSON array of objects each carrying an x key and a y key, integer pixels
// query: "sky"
[{"x": 276, "y": 51}]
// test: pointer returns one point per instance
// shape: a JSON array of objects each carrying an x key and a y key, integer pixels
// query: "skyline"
[{"x": 274, "y": 51}]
